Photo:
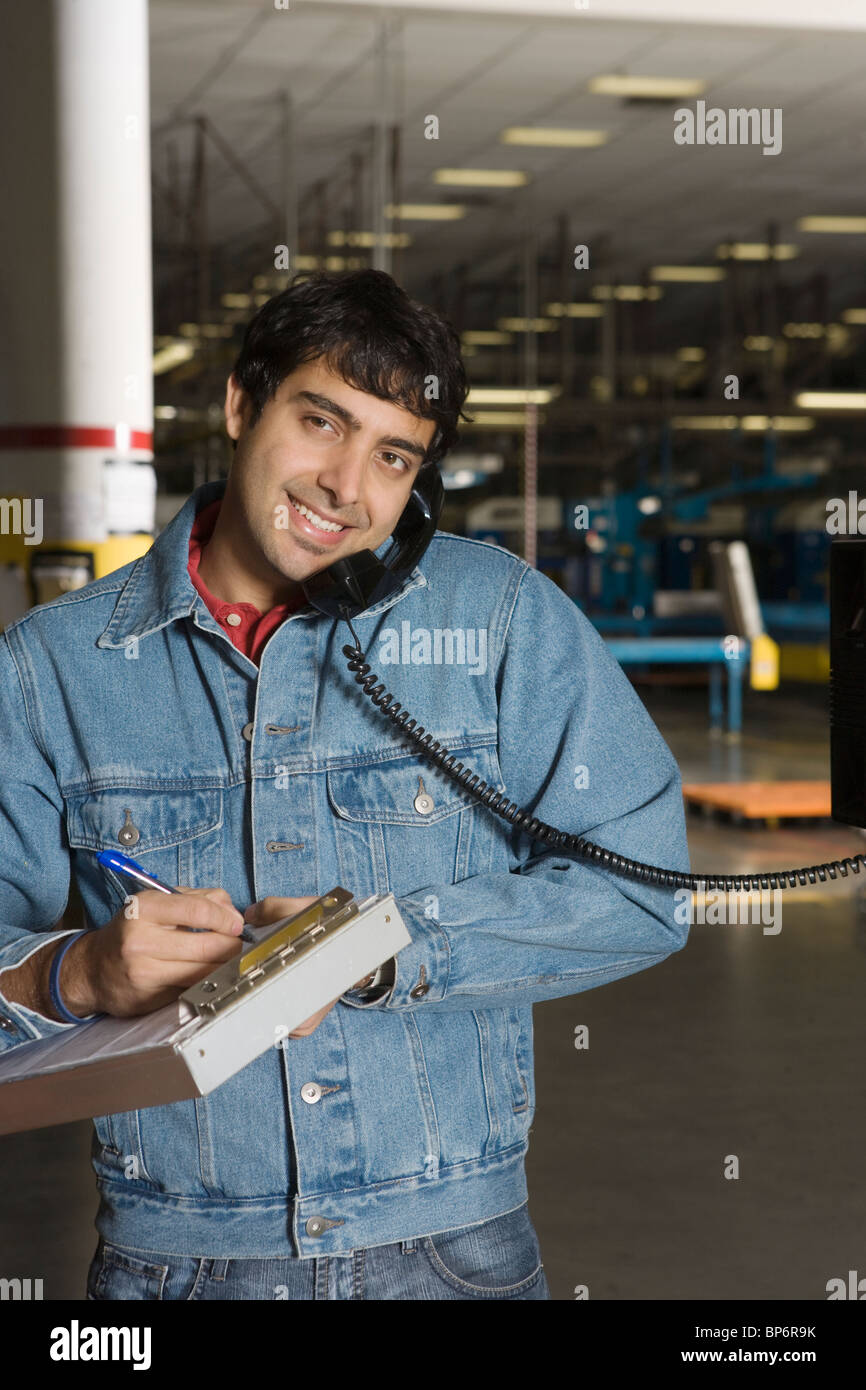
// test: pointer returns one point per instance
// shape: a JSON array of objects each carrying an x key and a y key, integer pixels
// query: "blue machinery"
[{"x": 708, "y": 651}]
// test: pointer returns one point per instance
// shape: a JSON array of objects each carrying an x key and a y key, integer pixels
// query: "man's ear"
[{"x": 236, "y": 408}]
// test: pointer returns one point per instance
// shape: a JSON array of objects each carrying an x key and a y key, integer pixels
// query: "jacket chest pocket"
[
  {"x": 174, "y": 834},
  {"x": 402, "y": 824}
]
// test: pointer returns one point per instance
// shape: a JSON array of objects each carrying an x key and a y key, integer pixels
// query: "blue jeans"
[{"x": 498, "y": 1259}]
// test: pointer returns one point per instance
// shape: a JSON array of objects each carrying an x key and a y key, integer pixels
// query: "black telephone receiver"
[{"x": 350, "y": 586}]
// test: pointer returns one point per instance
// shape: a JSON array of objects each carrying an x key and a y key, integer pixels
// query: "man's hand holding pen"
[{"x": 139, "y": 961}]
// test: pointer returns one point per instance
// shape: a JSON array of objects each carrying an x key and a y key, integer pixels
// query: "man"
[{"x": 193, "y": 708}]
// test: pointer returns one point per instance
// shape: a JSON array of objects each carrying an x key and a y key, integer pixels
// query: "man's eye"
[
  {"x": 397, "y": 458},
  {"x": 318, "y": 419}
]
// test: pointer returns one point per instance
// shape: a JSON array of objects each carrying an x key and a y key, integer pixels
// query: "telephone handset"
[{"x": 350, "y": 586}]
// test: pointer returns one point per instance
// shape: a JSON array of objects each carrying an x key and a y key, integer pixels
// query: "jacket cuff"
[
  {"x": 18, "y": 1023},
  {"x": 421, "y": 969}
]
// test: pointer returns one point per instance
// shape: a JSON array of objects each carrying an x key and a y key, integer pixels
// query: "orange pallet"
[{"x": 762, "y": 800}]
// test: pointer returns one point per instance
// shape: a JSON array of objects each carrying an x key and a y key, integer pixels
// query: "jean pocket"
[
  {"x": 496, "y": 1259},
  {"x": 117, "y": 1273}
]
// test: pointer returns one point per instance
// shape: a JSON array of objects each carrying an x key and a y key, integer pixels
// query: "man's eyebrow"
[{"x": 393, "y": 441}]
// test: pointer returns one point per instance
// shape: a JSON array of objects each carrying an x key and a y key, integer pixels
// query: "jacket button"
[
  {"x": 311, "y": 1092},
  {"x": 248, "y": 732},
  {"x": 315, "y": 1226},
  {"x": 419, "y": 991},
  {"x": 128, "y": 834},
  {"x": 7, "y": 1025}
]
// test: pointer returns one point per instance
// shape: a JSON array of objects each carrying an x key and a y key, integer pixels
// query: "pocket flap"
[
  {"x": 387, "y": 791},
  {"x": 163, "y": 816}
]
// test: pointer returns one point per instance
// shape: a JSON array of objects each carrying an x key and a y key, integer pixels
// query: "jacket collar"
[{"x": 159, "y": 589}]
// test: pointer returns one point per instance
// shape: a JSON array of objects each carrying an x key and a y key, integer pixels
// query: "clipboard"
[{"x": 213, "y": 1030}]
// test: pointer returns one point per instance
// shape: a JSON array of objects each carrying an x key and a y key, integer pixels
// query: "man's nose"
[{"x": 343, "y": 475}]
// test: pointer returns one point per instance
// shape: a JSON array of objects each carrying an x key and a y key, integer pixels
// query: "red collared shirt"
[{"x": 248, "y": 628}]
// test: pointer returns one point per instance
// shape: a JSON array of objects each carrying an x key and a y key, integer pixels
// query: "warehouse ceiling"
[
  {"x": 644, "y": 198},
  {"x": 224, "y": 171}
]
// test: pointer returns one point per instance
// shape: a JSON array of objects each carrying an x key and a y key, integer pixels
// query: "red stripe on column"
[{"x": 72, "y": 437}]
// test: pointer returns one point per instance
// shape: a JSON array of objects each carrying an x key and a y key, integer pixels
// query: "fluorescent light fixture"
[
  {"x": 628, "y": 292},
  {"x": 688, "y": 274},
  {"x": 620, "y": 84},
  {"x": 236, "y": 301},
  {"x": 553, "y": 137},
  {"x": 830, "y": 400},
  {"x": 575, "y": 311},
  {"x": 512, "y": 395},
  {"x": 704, "y": 422},
  {"x": 426, "y": 212},
  {"x": 496, "y": 418},
  {"x": 803, "y": 330},
  {"x": 522, "y": 325},
  {"x": 481, "y": 178},
  {"x": 758, "y": 342},
  {"x": 483, "y": 337},
  {"x": 832, "y": 224},
  {"x": 171, "y": 356},
  {"x": 791, "y": 423},
  {"x": 854, "y": 316},
  {"x": 368, "y": 239},
  {"x": 691, "y": 354},
  {"x": 164, "y": 412},
  {"x": 780, "y": 423},
  {"x": 756, "y": 251}
]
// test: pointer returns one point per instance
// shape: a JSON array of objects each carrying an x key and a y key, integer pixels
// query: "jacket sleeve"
[
  {"x": 579, "y": 751},
  {"x": 34, "y": 857}
]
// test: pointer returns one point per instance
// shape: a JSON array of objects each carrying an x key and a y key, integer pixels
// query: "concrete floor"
[{"x": 745, "y": 1044}]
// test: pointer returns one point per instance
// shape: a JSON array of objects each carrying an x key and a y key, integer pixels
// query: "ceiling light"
[
  {"x": 803, "y": 330},
  {"x": 512, "y": 395},
  {"x": 497, "y": 418},
  {"x": 481, "y": 178},
  {"x": 758, "y": 342},
  {"x": 831, "y": 400},
  {"x": 756, "y": 251},
  {"x": 575, "y": 311},
  {"x": 482, "y": 337},
  {"x": 368, "y": 239},
  {"x": 691, "y": 354},
  {"x": 688, "y": 274},
  {"x": 426, "y": 212},
  {"x": 620, "y": 84},
  {"x": 550, "y": 136},
  {"x": 832, "y": 224},
  {"x": 521, "y": 325},
  {"x": 629, "y": 292},
  {"x": 854, "y": 316},
  {"x": 171, "y": 356}
]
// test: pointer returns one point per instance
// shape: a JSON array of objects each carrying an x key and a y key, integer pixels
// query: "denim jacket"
[{"x": 125, "y": 706}]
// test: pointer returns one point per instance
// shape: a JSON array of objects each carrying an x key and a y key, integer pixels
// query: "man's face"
[{"x": 326, "y": 470}]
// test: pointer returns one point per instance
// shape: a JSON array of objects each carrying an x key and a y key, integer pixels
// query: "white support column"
[{"x": 76, "y": 385}]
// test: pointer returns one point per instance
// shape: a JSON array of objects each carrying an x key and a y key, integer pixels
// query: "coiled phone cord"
[{"x": 499, "y": 804}]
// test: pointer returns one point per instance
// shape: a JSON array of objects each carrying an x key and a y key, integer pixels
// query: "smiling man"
[{"x": 195, "y": 708}]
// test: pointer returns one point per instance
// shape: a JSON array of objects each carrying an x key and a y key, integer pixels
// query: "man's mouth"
[{"x": 320, "y": 523}]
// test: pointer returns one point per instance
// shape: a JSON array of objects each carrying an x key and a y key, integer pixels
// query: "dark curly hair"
[{"x": 371, "y": 334}]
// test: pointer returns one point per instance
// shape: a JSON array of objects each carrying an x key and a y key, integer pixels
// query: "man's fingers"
[
  {"x": 209, "y": 909},
  {"x": 153, "y": 941}
]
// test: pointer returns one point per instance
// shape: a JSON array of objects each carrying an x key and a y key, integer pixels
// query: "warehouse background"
[{"x": 666, "y": 344}]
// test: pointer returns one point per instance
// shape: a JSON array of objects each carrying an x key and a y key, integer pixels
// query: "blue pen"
[{"x": 122, "y": 864}]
